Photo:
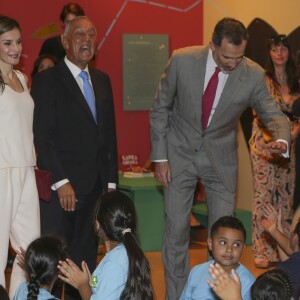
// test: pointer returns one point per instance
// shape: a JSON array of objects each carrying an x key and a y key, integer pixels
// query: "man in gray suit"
[{"x": 185, "y": 148}]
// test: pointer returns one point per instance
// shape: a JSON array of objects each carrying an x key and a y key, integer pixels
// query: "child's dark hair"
[
  {"x": 3, "y": 293},
  {"x": 274, "y": 284},
  {"x": 116, "y": 215},
  {"x": 229, "y": 222},
  {"x": 41, "y": 260}
]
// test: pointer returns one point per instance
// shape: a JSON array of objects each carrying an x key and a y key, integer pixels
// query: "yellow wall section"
[{"x": 283, "y": 16}]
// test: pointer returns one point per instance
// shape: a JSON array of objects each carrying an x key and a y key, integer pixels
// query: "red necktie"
[{"x": 209, "y": 97}]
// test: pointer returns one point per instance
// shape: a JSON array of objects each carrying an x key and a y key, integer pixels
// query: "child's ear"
[
  {"x": 209, "y": 243},
  {"x": 97, "y": 227}
]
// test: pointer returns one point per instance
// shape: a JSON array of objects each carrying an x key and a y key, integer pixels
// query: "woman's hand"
[
  {"x": 272, "y": 218},
  {"x": 21, "y": 258}
]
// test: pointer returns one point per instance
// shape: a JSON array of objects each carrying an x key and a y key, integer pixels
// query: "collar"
[
  {"x": 74, "y": 69},
  {"x": 211, "y": 64}
]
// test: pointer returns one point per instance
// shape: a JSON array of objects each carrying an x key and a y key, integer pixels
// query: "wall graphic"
[{"x": 182, "y": 20}]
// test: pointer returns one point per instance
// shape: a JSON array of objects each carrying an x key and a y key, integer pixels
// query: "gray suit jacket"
[{"x": 176, "y": 128}]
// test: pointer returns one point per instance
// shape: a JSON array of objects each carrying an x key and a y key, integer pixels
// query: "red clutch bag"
[{"x": 43, "y": 183}]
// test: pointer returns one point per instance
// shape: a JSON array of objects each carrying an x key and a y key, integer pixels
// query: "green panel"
[
  {"x": 201, "y": 213},
  {"x": 147, "y": 195},
  {"x": 151, "y": 219},
  {"x": 246, "y": 217},
  {"x": 144, "y": 59}
]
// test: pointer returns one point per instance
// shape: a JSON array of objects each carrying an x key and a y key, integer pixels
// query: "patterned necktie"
[
  {"x": 209, "y": 97},
  {"x": 88, "y": 93}
]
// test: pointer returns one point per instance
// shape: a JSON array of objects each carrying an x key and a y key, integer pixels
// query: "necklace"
[{"x": 283, "y": 81}]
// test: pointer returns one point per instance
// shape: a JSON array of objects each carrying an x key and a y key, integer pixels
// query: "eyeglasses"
[{"x": 278, "y": 38}]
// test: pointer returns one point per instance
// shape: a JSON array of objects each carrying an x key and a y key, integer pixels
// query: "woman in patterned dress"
[{"x": 274, "y": 175}]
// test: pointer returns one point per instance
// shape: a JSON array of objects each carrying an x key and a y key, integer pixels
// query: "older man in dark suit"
[{"x": 75, "y": 138}]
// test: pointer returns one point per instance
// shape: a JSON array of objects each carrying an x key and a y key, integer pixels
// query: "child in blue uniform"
[
  {"x": 40, "y": 263},
  {"x": 226, "y": 242},
  {"x": 273, "y": 284},
  {"x": 124, "y": 272}
]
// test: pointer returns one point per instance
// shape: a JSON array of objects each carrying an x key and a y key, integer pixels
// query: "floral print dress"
[{"x": 273, "y": 179}]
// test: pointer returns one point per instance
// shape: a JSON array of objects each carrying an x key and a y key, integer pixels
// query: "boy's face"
[{"x": 227, "y": 245}]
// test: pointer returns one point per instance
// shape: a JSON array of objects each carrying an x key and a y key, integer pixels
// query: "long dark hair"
[
  {"x": 41, "y": 260},
  {"x": 6, "y": 24},
  {"x": 290, "y": 67},
  {"x": 115, "y": 212}
]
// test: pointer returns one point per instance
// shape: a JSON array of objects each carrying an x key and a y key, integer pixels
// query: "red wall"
[{"x": 181, "y": 19}]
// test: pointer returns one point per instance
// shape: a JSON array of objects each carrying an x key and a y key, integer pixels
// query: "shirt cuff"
[
  {"x": 112, "y": 186},
  {"x": 159, "y": 160},
  {"x": 286, "y": 154},
  {"x": 60, "y": 183},
  {"x": 55, "y": 186}
]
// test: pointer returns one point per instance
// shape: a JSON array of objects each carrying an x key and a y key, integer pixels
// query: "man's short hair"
[
  {"x": 231, "y": 29},
  {"x": 228, "y": 222},
  {"x": 67, "y": 28}
]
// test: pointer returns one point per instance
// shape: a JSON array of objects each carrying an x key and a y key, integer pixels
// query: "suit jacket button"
[{"x": 196, "y": 150}]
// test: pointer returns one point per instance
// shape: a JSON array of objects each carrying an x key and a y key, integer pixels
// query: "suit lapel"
[
  {"x": 70, "y": 83},
  {"x": 198, "y": 83},
  {"x": 99, "y": 91}
]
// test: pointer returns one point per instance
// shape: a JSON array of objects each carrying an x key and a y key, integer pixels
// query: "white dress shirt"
[{"x": 210, "y": 69}]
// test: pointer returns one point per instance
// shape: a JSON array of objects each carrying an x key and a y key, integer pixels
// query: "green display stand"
[
  {"x": 147, "y": 195},
  {"x": 200, "y": 212}
]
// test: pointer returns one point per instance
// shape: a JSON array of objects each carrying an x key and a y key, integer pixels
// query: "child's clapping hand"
[
  {"x": 73, "y": 275},
  {"x": 224, "y": 286}
]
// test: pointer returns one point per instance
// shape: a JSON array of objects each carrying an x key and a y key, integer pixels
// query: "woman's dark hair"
[
  {"x": 71, "y": 8},
  {"x": 6, "y": 24},
  {"x": 231, "y": 29},
  {"x": 272, "y": 285},
  {"x": 38, "y": 61},
  {"x": 115, "y": 212},
  {"x": 290, "y": 67},
  {"x": 41, "y": 260}
]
